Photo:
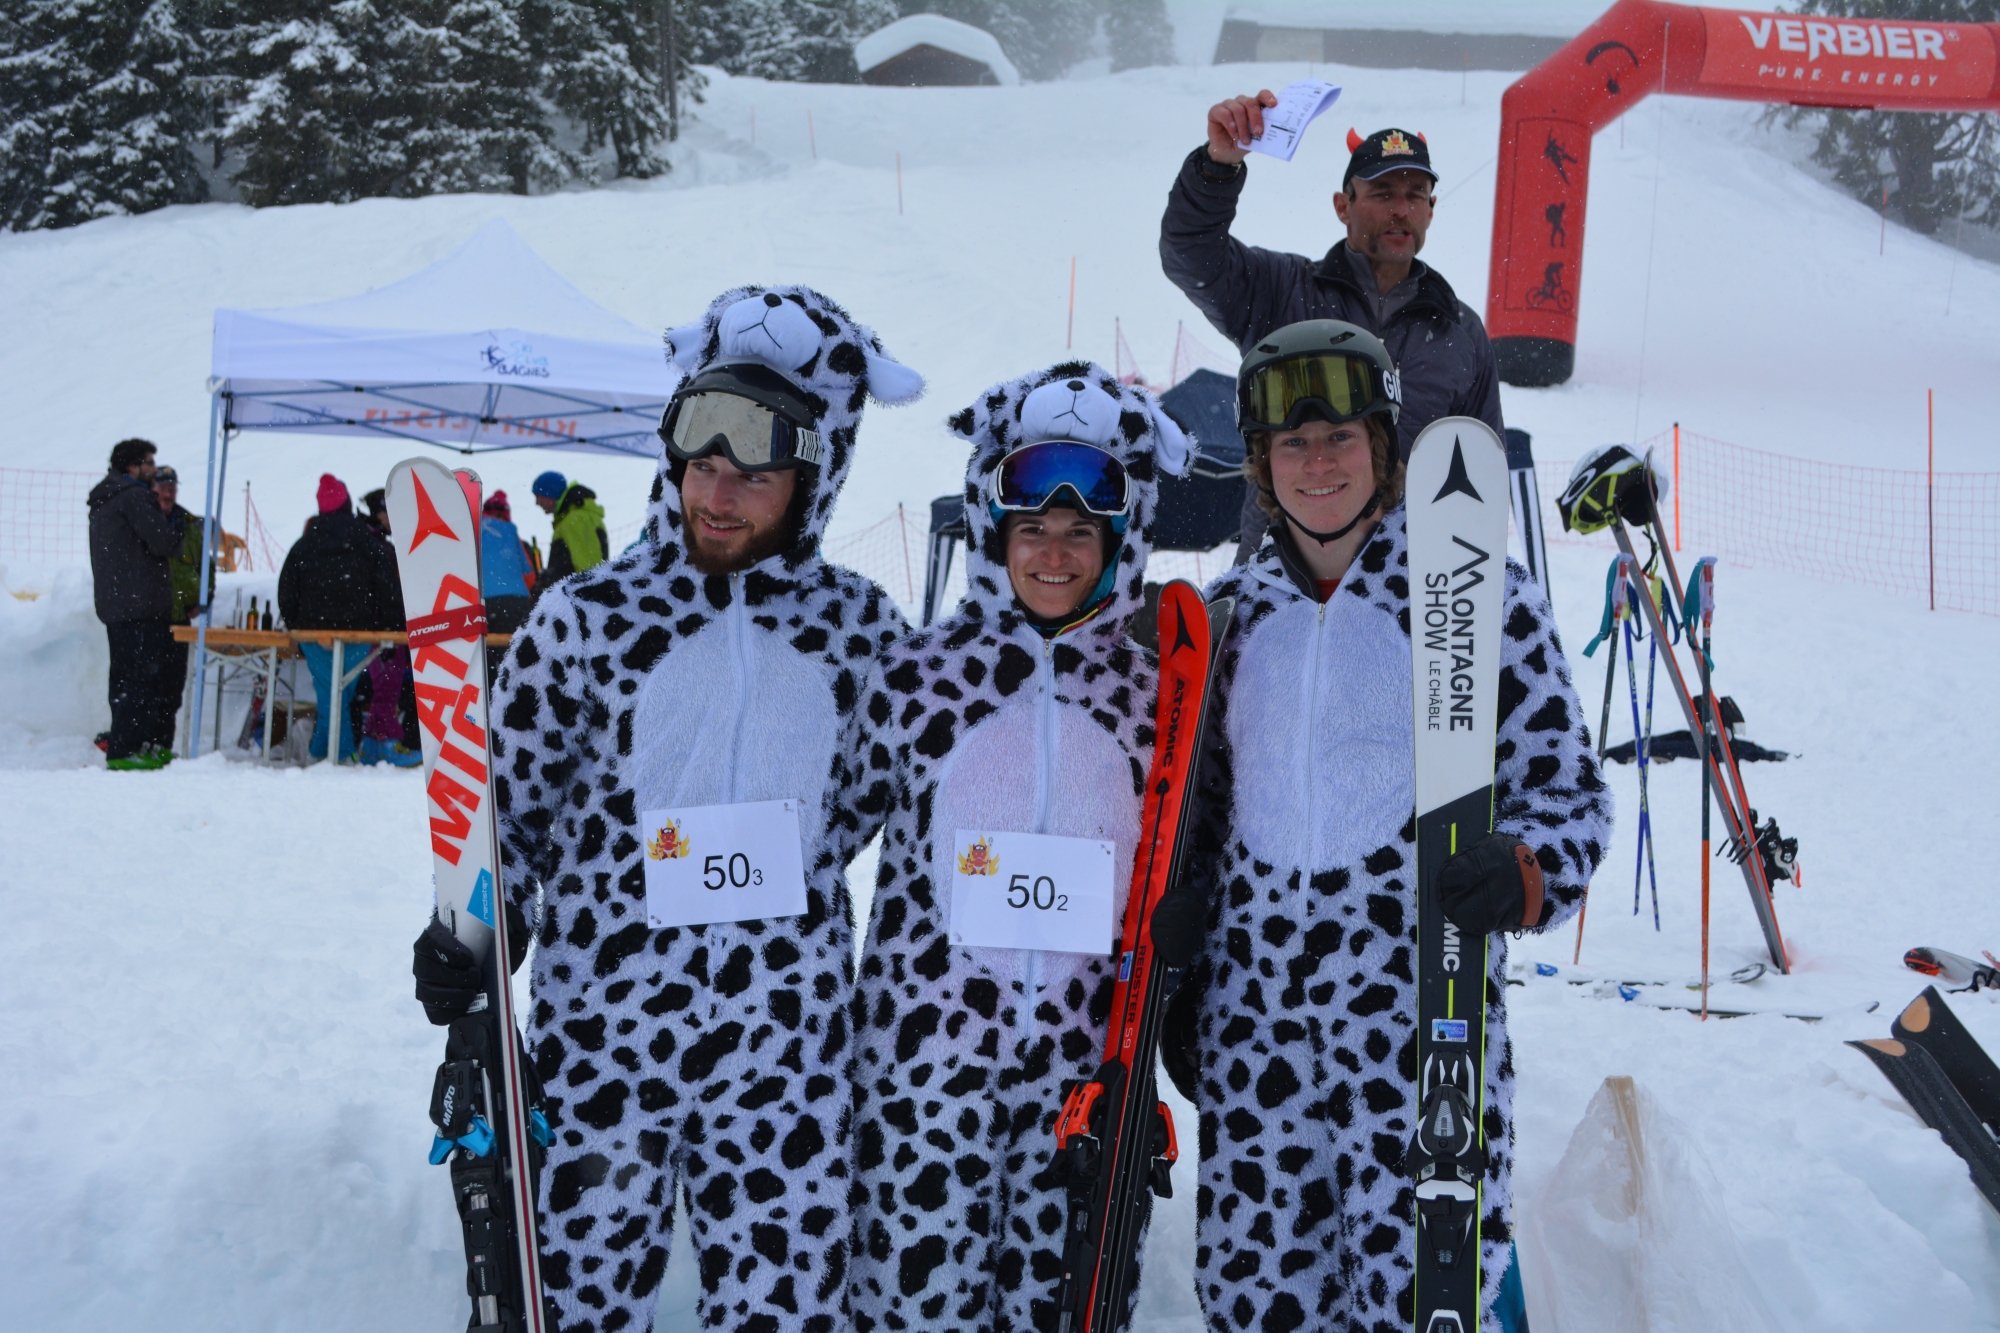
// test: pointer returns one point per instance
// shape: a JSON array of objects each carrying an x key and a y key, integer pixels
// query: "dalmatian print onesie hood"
[
  {"x": 979, "y": 722},
  {"x": 1305, "y": 998},
  {"x": 708, "y": 1059}
]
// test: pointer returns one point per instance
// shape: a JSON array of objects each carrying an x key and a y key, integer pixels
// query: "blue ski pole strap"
[
  {"x": 1610, "y": 606},
  {"x": 478, "y": 1140}
]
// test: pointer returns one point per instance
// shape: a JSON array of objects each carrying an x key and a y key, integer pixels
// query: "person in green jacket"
[
  {"x": 579, "y": 541},
  {"x": 184, "y": 565}
]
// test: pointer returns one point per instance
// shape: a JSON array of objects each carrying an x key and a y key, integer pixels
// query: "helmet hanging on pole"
[{"x": 1607, "y": 484}]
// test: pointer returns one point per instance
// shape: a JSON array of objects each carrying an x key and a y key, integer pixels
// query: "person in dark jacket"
[
  {"x": 1372, "y": 278},
  {"x": 131, "y": 538},
  {"x": 389, "y": 713},
  {"x": 340, "y": 574}
]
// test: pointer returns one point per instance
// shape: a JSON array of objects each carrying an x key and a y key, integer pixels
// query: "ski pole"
[
  {"x": 1632, "y": 689},
  {"x": 1614, "y": 607},
  {"x": 1705, "y": 578},
  {"x": 1645, "y": 748}
]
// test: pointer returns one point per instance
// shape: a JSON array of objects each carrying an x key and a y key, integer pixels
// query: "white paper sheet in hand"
[{"x": 1285, "y": 124}]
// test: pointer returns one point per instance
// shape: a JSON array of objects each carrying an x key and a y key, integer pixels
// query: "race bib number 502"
[
  {"x": 711, "y": 863},
  {"x": 1030, "y": 891}
]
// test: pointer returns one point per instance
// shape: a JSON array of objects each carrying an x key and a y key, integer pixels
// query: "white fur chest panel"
[
  {"x": 1320, "y": 723},
  {"x": 976, "y": 724},
  {"x": 734, "y": 714},
  {"x": 1036, "y": 766}
]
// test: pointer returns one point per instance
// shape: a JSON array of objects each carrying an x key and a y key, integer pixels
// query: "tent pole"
[{"x": 210, "y": 492}]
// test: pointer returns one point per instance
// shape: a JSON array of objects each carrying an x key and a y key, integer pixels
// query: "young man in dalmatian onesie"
[
  {"x": 714, "y": 664},
  {"x": 1297, "y": 1028},
  {"x": 1026, "y": 712}
]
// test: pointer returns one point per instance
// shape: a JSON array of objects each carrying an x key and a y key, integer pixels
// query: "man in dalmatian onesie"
[
  {"x": 1002, "y": 722},
  {"x": 708, "y": 1059},
  {"x": 1299, "y": 1018}
]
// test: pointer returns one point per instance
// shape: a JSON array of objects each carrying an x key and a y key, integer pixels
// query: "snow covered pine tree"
[{"x": 99, "y": 108}]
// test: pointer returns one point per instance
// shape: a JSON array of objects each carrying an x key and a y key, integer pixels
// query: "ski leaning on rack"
[
  {"x": 1457, "y": 501},
  {"x": 1115, "y": 1139},
  {"x": 489, "y": 1123}
]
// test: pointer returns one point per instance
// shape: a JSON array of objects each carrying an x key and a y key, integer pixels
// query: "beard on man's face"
[{"x": 746, "y": 545}]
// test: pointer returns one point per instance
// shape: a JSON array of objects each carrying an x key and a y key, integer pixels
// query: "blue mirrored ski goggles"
[{"x": 1031, "y": 477}]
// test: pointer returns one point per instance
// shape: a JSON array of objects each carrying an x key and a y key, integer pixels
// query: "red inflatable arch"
[{"x": 1641, "y": 47}]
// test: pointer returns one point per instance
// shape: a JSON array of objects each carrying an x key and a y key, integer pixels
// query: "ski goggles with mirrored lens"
[
  {"x": 1284, "y": 394},
  {"x": 1031, "y": 477},
  {"x": 750, "y": 413}
]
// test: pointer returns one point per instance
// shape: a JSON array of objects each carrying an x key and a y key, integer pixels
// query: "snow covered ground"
[{"x": 213, "y": 1080}]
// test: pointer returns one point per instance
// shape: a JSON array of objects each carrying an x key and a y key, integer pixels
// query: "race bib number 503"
[
  {"x": 1030, "y": 891},
  {"x": 711, "y": 863}
]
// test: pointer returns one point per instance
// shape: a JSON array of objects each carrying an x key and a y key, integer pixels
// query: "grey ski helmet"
[{"x": 1324, "y": 369}]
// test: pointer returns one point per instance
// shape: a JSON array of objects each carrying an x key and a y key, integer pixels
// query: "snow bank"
[{"x": 54, "y": 660}]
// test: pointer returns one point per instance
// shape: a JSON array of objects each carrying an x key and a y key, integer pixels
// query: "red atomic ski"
[
  {"x": 489, "y": 1123},
  {"x": 1114, "y": 1136}
]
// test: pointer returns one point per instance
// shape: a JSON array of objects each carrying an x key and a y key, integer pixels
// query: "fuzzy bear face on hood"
[
  {"x": 1073, "y": 400},
  {"x": 838, "y": 363}
]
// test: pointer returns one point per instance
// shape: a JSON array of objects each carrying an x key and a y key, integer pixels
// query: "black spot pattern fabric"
[
  {"x": 704, "y": 1062},
  {"x": 1306, "y": 989}
]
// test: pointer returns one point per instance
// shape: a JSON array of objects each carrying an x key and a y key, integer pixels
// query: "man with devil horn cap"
[{"x": 1372, "y": 278}]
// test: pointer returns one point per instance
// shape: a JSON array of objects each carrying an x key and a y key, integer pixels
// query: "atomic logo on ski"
[
  {"x": 1456, "y": 482},
  {"x": 429, "y": 524}
]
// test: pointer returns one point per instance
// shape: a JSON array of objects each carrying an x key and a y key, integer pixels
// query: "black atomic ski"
[
  {"x": 484, "y": 1103},
  {"x": 1114, "y": 1139},
  {"x": 1457, "y": 502}
]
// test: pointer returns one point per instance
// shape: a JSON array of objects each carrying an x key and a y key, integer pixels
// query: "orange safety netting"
[{"x": 1934, "y": 538}]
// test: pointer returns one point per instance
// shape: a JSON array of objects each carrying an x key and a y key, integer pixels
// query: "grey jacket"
[
  {"x": 130, "y": 540},
  {"x": 1439, "y": 345}
]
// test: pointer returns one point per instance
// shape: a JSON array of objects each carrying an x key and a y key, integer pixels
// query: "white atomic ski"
[
  {"x": 1457, "y": 503},
  {"x": 485, "y": 1104}
]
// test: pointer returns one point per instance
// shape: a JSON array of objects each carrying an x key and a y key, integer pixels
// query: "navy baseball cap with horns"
[{"x": 1385, "y": 151}]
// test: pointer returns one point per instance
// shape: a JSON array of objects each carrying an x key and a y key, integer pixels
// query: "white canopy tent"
[{"x": 487, "y": 349}]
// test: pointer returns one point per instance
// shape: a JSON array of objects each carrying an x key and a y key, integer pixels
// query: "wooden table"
[
  {"x": 376, "y": 641},
  {"x": 234, "y": 648},
  {"x": 257, "y": 651}
]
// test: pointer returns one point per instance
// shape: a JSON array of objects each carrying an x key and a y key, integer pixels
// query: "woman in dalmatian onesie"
[
  {"x": 997, "y": 720},
  {"x": 708, "y": 1059},
  {"x": 1301, "y": 1012}
]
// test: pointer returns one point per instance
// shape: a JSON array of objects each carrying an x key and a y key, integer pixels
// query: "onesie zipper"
[
  {"x": 739, "y": 654},
  {"x": 1045, "y": 779},
  {"x": 1045, "y": 736},
  {"x": 1313, "y": 775}
]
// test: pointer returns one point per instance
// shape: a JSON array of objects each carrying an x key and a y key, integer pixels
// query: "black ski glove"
[
  {"x": 1180, "y": 1039},
  {"x": 448, "y": 977},
  {"x": 1178, "y": 919},
  {"x": 1495, "y": 884}
]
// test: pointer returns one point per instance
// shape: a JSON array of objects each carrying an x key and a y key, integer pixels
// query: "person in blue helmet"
[
  {"x": 578, "y": 541},
  {"x": 1000, "y": 752}
]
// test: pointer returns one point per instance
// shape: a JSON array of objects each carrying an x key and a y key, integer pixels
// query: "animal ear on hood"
[
  {"x": 889, "y": 381},
  {"x": 1175, "y": 450},
  {"x": 684, "y": 345}
]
